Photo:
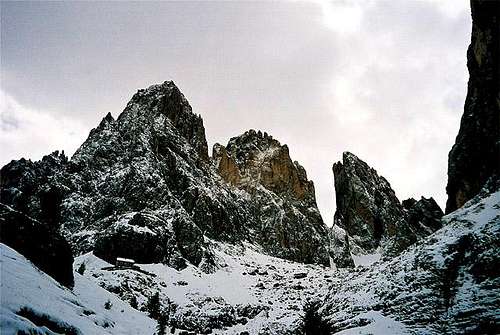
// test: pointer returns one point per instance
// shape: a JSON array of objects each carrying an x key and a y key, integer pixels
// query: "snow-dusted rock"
[
  {"x": 424, "y": 215},
  {"x": 251, "y": 292},
  {"x": 370, "y": 219},
  {"x": 449, "y": 282},
  {"x": 288, "y": 223},
  {"x": 142, "y": 187}
]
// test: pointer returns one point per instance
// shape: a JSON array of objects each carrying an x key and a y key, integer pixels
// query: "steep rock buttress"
[
  {"x": 370, "y": 218},
  {"x": 289, "y": 220},
  {"x": 475, "y": 156}
]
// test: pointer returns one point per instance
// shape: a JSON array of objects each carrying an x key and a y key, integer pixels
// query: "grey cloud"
[{"x": 274, "y": 66}]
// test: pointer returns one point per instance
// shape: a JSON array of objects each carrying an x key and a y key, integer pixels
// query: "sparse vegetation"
[
  {"x": 44, "y": 320},
  {"x": 108, "y": 304},
  {"x": 81, "y": 269},
  {"x": 313, "y": 324}
]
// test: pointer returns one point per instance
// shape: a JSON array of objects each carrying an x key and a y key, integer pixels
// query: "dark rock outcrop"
[
  {"x": 371, "y": 215},
  {"x": 142, "y": 186},
  {"x": 148, "y": 238},
  {"x": 43, "y": 246},
  {"x": 36, "y": 188},
  {"x": 284, "y": 201},
  {"x": 423, "y": 215},
  {"x": 475, "y": 156},
  {"x": 367, "y": 207}
]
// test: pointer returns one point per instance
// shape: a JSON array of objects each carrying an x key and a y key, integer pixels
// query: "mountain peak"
[
  {"x": 253, "y": 139},
  {"x": 108, "y": 119},
  {"x": 256, "y": 158},
  {"x": 371, "y": 214},
  {"x": 157, "y": 101}
]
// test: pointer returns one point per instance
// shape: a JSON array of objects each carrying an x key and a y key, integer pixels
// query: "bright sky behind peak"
[{"x": 385, "y": 80}]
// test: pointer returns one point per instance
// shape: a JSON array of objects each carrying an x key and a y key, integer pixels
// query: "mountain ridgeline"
[{"x": 143, "y": 186}]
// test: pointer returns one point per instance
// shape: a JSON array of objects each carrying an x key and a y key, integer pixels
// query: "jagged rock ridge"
[
  {"x": 475, "y": 156},
  {"x": 372, "y": 217},
  {"x": 142, "y": 186},
  {"x": 285, "y": 200}
]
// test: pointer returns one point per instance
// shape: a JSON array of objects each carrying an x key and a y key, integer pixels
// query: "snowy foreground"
[
  {"x": 252, "y": 293},
  {"x": 448, "y": 283},
  {"x": 80, "y": 311}
]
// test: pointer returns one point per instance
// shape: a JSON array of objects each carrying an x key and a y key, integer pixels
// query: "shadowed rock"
[
  {"x": 475, "y": 156},
  {"x": 369, "y": 217},
  {"x": 43, "y": 246}
]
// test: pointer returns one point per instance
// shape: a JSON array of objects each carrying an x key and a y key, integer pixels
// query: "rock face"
[
  {"x": 448, "y": 282},
  {"x": 475, "y": 154},
  {"x": 367, "y": 207},
  {"x": 43, "y": 246},
  {"x": 36, "y": 188},
  {"x": 256, "y": 158},
  {"x": 142, "y": 186},
  {"x": 423, "y": 215},
  {"x": 371, "y": 215},
  {"x": 284, "y": 198}
]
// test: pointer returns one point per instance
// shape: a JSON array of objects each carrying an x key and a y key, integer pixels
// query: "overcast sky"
[{"x": 385, "y": 80}]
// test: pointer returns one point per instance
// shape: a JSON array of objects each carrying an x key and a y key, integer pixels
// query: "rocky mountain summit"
[
  {"x": 284, "y": 197},
  {"x": 476, "y": 153},
  {"x": 143, "y": 186},
  {"x": 234, "y": 243},
  {"x": 256, "y": 158},
  {"x": 370, "y": 219}
]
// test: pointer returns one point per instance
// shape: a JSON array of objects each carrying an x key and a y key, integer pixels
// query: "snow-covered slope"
[
  {"x": 34, "y": 303},
  {"x": 250, "y": 292},
  {"x": 143, "y": 187},
  {"x": 447, "y": 283}
]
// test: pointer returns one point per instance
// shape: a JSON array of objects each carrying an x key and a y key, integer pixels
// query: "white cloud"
[
  {"x": 29, "y": 133},
  {"x": 342, "y": 16},
  {"x": 383, "y": 79},
  {"x": 398, "y": 95},
  {"x": 451, "y": 8}
]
